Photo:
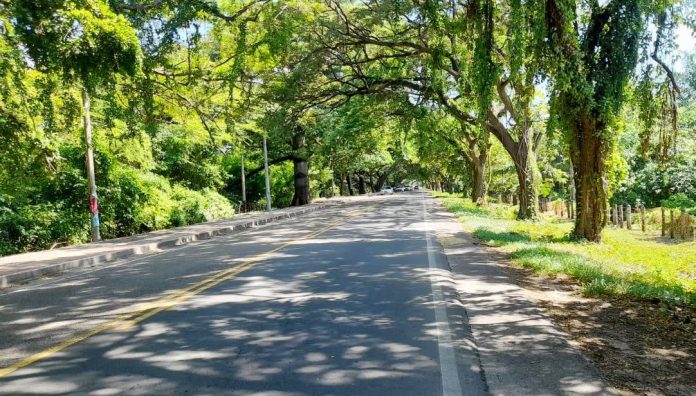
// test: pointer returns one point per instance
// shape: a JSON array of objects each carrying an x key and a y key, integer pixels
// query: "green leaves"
[
  {"x": 84, "y": 39},
  {"x": 485, "y": 72}
]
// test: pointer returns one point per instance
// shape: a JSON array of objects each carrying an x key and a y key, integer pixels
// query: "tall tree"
[
  {"x": 593, "y": 53},
  {"x": 89, "y": 44}
]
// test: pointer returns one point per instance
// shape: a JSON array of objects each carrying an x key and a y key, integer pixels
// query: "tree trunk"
[
  {"x": 380, "y": 182},
  {"x": 528, "y": 194},
  {"x": 571, "y": 190},
  {"x": 301, "y": 167},
  {"x": 588, "y": 152},
  {"x": 341, "y": 186},
  {"x": 350, "y": 186},
  {"x": 523, "y": 154},
  {"x": 480, "y": 185},
  {"x": 301, "y": 196},
  {"x": 333, "y": 184},
  {"x": 361, "y": 184}
]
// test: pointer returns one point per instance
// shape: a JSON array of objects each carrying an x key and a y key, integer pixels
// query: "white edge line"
[{"x": 448, "y": 361}]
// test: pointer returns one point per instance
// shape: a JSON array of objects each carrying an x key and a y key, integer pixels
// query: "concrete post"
[
  {"x": 671, "y": 223},
  {"x": 642, "y": 218},
  {"x": 629, "y": 219},
  {"x": 664, "y": 221}
]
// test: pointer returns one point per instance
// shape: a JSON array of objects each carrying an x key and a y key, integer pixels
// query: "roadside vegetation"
[
  {"x": 157, "y": 112},
  {"x": 629, "y": 263}
]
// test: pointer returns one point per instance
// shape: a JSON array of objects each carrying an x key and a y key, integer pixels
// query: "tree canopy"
[{"x": 590, "y": 103}]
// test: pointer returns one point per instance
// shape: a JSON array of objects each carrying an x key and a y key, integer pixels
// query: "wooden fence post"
[
  {"x": 621, "y": 216},
  {"x": 629, "y": 220},
  {"x": 642, "y": 218},
  {"x": 615, "y": 216},
  {"x": 664, "y": 222},
  {"x": 671, "y": 223}
]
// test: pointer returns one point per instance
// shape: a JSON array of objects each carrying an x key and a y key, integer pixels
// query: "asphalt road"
[{"x": 352, "y": 300}]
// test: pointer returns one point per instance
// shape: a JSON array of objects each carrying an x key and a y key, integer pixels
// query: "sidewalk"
[
  {"x": 522, "y": 352},
  {"x": 27, "y": 266}
]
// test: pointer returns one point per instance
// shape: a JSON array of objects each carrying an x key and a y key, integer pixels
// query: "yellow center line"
[{"x": 168, "y": 301}]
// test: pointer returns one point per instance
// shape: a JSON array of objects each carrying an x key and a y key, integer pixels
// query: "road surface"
[{"x": 351, "y": 300}]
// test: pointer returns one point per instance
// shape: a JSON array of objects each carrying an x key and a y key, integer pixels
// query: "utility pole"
[
  {"x": 93, "y": 200},
  {"x": 332, "y": 179},
  {"x": 243, "y": 184},
  {"x": 268, "y": 182}
]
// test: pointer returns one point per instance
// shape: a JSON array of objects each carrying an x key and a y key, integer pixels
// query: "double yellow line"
[{"x": 127, "y": 320}]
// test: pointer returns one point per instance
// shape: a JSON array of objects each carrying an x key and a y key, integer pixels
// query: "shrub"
[
  {"x": 677, "y": 201},
  {"x": 131, "y": 201},
  {"x": 33, "y": 227},
  {"x": 216, "y": 206}
]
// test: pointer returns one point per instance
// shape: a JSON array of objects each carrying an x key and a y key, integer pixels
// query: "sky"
[{"x": 686, "y": 41}]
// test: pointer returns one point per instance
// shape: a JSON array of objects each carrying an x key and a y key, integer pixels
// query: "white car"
[{"x": 386, "y": 190}]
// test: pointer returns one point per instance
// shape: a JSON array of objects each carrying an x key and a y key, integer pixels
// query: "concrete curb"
[{"x": 150, "y": 247}]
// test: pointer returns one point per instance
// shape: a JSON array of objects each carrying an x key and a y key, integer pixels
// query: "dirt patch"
[{"x": 640, "y": 347}]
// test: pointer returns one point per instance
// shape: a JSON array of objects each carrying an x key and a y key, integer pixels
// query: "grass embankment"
[{"x": 631, "y": 263}]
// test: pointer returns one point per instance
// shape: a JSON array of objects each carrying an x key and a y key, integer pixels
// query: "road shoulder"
[{"x": 522, "y": 351}]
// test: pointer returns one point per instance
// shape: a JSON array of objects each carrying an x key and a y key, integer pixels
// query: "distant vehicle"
[
  {"x": 408, "y": 188},
  {"x": 386, "y": 190},
  {"x": 399, "y": 189},
  {"x": 417, "y": 187}
]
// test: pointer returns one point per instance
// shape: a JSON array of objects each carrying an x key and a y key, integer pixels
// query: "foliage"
[
  {"x": 477, "y": 98},
  {"x": 680, "y": 200},
  {"x": 85, "y": 39},
  {"x": 653, "y": 184}
]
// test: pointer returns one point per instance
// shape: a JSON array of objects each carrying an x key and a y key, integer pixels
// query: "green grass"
[{"x": 631, "y": 263}]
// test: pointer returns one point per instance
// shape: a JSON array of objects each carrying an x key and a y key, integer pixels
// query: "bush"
[
  {"x": 677, "y": 201},
  {"x": 132, "y": 201},
  {"x": 34, "y": 227},
  {"x": 188, "y": 207},
  {"x": 216, "y": 206},
  {"x": 147, "y": 201}
]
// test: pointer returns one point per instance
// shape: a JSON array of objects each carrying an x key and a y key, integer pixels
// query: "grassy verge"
[{"x": 627, "y": 262}]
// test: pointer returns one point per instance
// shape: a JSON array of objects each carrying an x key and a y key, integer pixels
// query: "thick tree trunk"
[
  {"x": 332, "y": 185},
  {"x": 350, "y": 186},
  {"x": 588, "y": 153},
  {"x": 301, "y": 167},
  {"x": 523, "y": 154},
  {"x": 480, "y": 185},
  {"x": 301, "y": 196},
  {"x": 380, "y": 182},
  {"x": 361, "y": 184},
  {"x": 341, "y": 185},
  {"x": 528, "y": 194}
]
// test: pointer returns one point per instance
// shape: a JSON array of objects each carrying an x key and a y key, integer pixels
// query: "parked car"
[
  {"x": 399, "y": 189},
  {"x": 408, "y": 188},
  {"x": 417, "y": 187},
  {"x": 386, "y": 190}
]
